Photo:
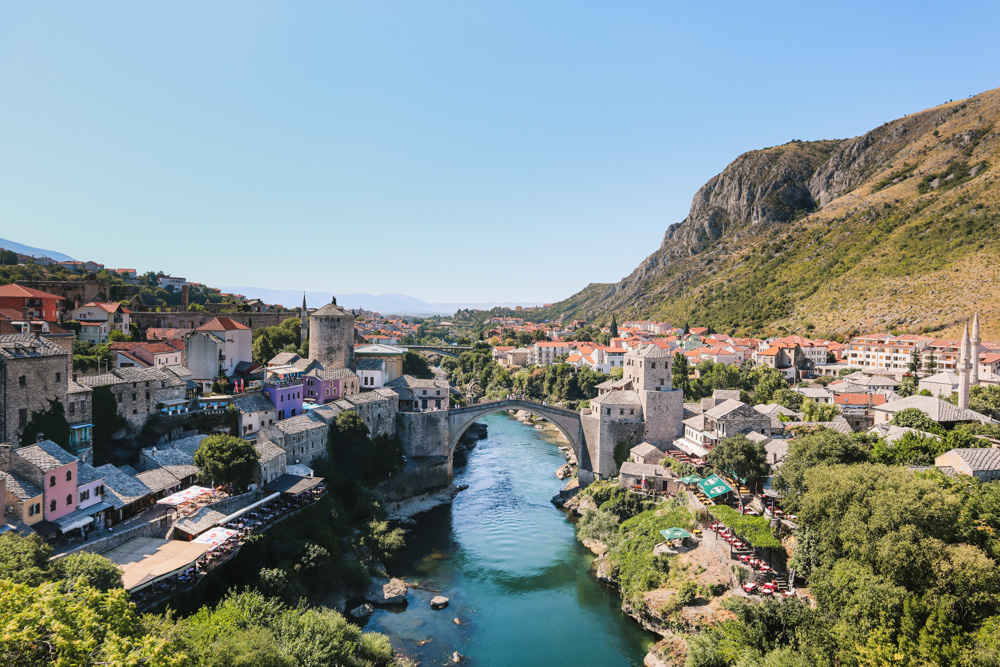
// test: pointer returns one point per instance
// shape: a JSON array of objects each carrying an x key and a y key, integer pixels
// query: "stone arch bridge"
[{"x": 566, "y": 421}]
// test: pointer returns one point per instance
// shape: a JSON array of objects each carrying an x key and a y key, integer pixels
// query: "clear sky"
[{"x": 452, "y": 151}]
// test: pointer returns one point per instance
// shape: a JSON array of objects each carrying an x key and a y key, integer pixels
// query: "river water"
[{"x": 518, "y": 580}]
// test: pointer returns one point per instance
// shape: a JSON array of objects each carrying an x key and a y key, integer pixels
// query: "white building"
[{"x": 98, "y": 319}]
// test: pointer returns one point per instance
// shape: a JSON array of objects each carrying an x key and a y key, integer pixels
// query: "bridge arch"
[{"x": 566, "y": 422}]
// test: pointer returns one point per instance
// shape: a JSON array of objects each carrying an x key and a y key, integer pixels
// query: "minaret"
[
  {"x": 963, "y": 367},
  {"x": 303, "y": 321},
  {"x": 974, "y": 355}
]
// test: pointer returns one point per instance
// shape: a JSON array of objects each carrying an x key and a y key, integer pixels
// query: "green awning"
[
  {"x": 714, "y": 486},
  {"x": 675, "y": 534},
  {"x": 691, "y": 479}
]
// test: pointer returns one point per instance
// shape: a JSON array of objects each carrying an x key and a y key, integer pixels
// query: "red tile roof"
[
  {"x": 221, "y": 324},
  {"x": 15, "y": 290}
]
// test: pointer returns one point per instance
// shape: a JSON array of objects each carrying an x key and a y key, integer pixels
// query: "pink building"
[{"x": 53, "y": 469}]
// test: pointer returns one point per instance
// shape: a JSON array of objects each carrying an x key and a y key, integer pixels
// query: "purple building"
[
  {"x": 283, "y": 385},
  {"x": 323, "y": 386}
]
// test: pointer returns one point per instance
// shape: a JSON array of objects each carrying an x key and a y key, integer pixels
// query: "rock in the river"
[
  {"x": 387, "y": 591},
  {"x": 564, "y": 471},
  {"x": 362, "y": 611},
  {"x": 439, "y": 602},
  {"x": 456, "y": 657}
]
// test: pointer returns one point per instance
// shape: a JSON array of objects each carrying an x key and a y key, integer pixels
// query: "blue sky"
[{"x": 453, "y": 151}]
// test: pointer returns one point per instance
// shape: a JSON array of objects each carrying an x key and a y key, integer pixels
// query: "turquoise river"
[{"x": 518, "y": 580}]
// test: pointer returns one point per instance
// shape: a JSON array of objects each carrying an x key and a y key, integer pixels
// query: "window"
[
  {"x": 69, "y": 499},
  {"x": 58, "y": 377},
  {"x": 52, "y": 506},
  {"x": 22, "y": 381},
  {"x": 52, "y": 480},
  {"x": 22, "y": 417},
  {"x": 69, "y": 475},
  {"x": 72, "y": 407},
  {"x": 85, "y": 495}
]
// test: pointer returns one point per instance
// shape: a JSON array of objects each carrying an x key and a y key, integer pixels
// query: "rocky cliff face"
[{"x": 759, "y": 235}]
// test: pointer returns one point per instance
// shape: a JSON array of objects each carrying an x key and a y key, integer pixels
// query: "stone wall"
[
  {"x": 664, "y": 414},
  {"x": 44, "y": 378},
  {"x": 154, "y": 528},
  {"x": 423, "y": 434},
  {"x": 193, "y": 320},
  {"x": 602, "y": 436},
  {"x": 420, "y": 476},
  {"x": 331, "y": 340}
]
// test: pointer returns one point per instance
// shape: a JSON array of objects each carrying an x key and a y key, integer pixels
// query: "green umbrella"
[
  {"x": 691, "y": 479},
  {"x": 714, "y": 486},
  {"x": 674, "y": 534}
]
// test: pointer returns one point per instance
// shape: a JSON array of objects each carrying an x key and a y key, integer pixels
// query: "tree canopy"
[
  {"x": 226, "y": 460},
  {"x": 743, "y": 459}
]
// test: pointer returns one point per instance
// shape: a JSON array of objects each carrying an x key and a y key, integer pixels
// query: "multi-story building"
[
  {"x": 256, "y": 412},
  {"x": 283, "y": 386},
  {"x": 31, "y": 303},
  {"x": 138, "y": 391},
  {"x": 99, "y": 318},
  {"x": 545, "y": 353},
  {"x": 324, "y": 386},
  {"x": 79, "y": 411},
  {"x": 49, "y": 466},
  {"x": 885, "y": 351},
  {"x": 216, "y": 348},
  {"x": 33, "y": 371},
  {"x": 416, "y": 395},
  {"x": 171, "y": 281}
]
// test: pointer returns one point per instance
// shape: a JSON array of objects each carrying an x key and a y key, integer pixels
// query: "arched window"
[
  {"x": 69, "y": 475},
  {"x": 69, "y": 499},
  {"x": 52, "y": 506},
  {"x": 52, "y": 480}
]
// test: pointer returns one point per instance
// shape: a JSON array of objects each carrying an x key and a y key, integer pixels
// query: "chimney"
[
  {"x": 5, "y": 452},
  {"x": 185, "y": 295}
]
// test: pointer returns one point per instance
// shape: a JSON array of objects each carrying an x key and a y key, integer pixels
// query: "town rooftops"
[
  {"x": 129, "y": 375},
  {"x": 253, "y": 402},
  {"x": 124, "y": 488},
  {"x": 724, "y": 408},
  {"x": 86, "y": 473},
  {"x": 20, "y": 291},
  {"x": 650, "y": 352},
  {"x": 979, "y": 459},
  {"x": 644, "y": 449},
  {"x": 158, "y": 479},
  {"x": 24, "y": 346},
  {"x": 640, "y": 469},
  {"x": 937, "y": 409},
  {"x": 336, "y": 373},
  {"x": 618, "y": 398},
  {"x": 298, "y": 424},
  {"x": 46, "y": 455},
  {"x": 267, "y": 450},
  {"x": 21, "y": 487},
  {"x": 283, "y": 359},
  {"x": 222, "y": 324},
  {"x": 371, "y": 364}
]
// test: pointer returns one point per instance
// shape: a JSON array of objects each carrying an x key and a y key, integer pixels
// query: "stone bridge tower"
[
  {"x": 650, "y": 369},
  {"x": 331, "y": 337}
]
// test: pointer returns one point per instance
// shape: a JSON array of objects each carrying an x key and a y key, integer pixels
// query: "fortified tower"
[
  {"x": 331, "y": 337},
  {"x": 650, "y": 370}
]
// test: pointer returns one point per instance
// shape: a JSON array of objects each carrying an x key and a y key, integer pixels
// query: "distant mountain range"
[
  {"x": 34, "y": 252},
  {"x": 394, "y": 304}
]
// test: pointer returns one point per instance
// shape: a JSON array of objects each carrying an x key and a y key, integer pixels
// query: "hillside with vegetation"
[{"x": 895, "y": 230}]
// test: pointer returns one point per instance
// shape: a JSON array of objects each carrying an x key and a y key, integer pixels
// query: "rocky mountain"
[{"x": 897, "y": 229}]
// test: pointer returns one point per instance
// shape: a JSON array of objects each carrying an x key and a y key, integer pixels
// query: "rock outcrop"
[{"x": 387, "y": 592}]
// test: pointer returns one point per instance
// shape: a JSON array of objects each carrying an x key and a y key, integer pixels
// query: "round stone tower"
[{"x": 331, "y": 337}]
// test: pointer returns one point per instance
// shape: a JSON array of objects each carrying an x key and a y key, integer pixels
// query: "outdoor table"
[
  {"x": 765, "y": 567},
  {"x": 789, "y": 594},
  {"x": 750, "y": 587}
]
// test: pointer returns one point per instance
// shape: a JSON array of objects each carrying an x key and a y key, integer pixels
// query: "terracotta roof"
[
  {"x": 221, "y": 324},
  {"x": 15, "y": 290}
]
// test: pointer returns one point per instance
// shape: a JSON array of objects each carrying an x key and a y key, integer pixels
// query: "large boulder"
[
  {"x": 439, "y": 602},
  {"x": 362, "y": 611},
  {"x": 387, "y": 591}
]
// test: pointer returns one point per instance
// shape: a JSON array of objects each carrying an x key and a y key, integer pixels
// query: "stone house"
[
  {"x": 645, "y": 453},
  {"x": 371, "y": 372},
  {"x": 256, "y": 412},
  {"x": 271, "y": 463},
  {"x": 942, "y": 384},
  {"x": 124, "y": 492},
  {"x": 303, "y": 438},
  {"x": 983, "y": 464},
  {"x": 138, "y": 391},
  {"x": 937, "y": 409},
  {"x": 418, "y": 395},
  {"x": 33, "y": 371},
  {"x": 331, "y": 337},
  {"x": 378, "y": 409},
  {"x": 24, "y": 498},
  {"x": 657, "y": 478}
]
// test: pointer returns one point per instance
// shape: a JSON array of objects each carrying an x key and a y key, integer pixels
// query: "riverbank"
[{"x": 516, "y": 578}]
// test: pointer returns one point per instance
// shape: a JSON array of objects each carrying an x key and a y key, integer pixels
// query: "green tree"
[
  {"x": 765, "y": 381},
  {"x": 908, "y": 386},
  {"x": 614, "y": 326},
  {"x": 818, "y": 412},
  {"x": 788, "y": 398},
  {"x": 743, "y": 459},
  {"x": 24, "y": 560},
  {"x": 916, "y": 363},
  {"x": 985, "y": 399},
  {"x": 916, "y": 418},
  {"x": 88, "y": 569},
  {"x": 226, "y": 460},
  {"x": 415, "y": 364},
  {"x": 117, "y": 336},
  {"x": 50, "y": 423},
  {"x": 825, "y": 447},
  {"x": 680, "y": 374},
  {"x": 930, "y": 366}
]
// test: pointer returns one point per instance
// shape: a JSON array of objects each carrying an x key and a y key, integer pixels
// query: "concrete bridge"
[
  {"x": 567, "y": 421},
  {"x": 448, "y": 350}
]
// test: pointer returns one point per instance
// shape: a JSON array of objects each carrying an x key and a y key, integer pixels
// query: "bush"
[
  {"x": 687, "y": 593},
  {"x": 756, "y": 530}
]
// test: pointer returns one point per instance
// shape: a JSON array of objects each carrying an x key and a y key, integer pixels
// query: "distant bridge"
[{"x": 451, "y": 350}]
